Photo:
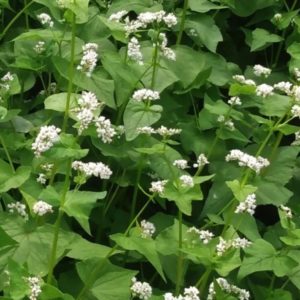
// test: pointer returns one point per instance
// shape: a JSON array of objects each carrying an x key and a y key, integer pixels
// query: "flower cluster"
[
  {"x": 89, "y": 59},
  {"x": 295, "y": 111},
  {"x": 227, "y": 122},
  {"x": 18, "y": 208},
  {"x": 228, "y": 288},
  {"x": 5, "y": 81},
  {"x": 287, "y": 211},
  {"x": 118, "y": 16},
  {"x": 148, "y": 229},
  {"x": 237, "y": 243},
  {"x": 39, "y": 47},
  {"x": 104, "y": 129},
  {"x": 64, "y": 3},
  {"x": 204, "y": 235},
  {"x": 191, "y": 293},
  {"x": 92, "y": 169},
  {"x": 45, "y": 19},
  {"x": 259, "y": 70},
  {"x": 162, "y": 131},
  {"x": 145, "y": 94},
  {"x": 158, "y": 186},
  {"x": 201, "y": 161},
  {"x": 41, "y": 208},
  {"x": 134, "y": 51},
  {"x": 42, "y": 178},
  {"x": 284, "y": 86},
  {"x": 181, "y": 164},
  {"x": 35, "y": 287},
  {"x": 264, "y": 90},
  {"x": 186, "y": 181},
  {"x": 244, "y": 159},
  {"x": 142, "y": 290},
  {"x": 166, "y": 51},
  {"x": 243, "y": 80},
  {"x": 234, "y": 101},
  {"x": 248, "y": 205},
  {"x": 296, "y": 142},
  {"x": 46, "y": 138}
]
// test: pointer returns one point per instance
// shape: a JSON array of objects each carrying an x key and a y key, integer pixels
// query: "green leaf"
[
  {"x": 146, "y": 247},
  {"x": 136, "y": 115},
  {"x": 275, "y": 105},
  {"x": 80, "y": 9},
  {"x": 110, "y": 282},
  {"x": 49, "y": 292},
  {"x": 237, "y": 89},
  {"x": 203, "y": 6},
  {"x": 205, "y": 31},
  {"x": 130, "y": 5},
  {"x": 79, "y": 205},
  {"x": 239, "y": 191}
]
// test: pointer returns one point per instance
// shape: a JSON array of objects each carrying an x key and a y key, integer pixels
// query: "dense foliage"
[{"x": 149, "y": 149}]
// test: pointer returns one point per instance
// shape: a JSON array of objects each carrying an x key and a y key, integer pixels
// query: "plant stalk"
[{"x": 182, "y": 22}]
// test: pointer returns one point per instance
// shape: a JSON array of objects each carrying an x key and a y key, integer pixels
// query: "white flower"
[
  {"x": 145, "y": 94},
  {"x": 205, "y": 236},
  {"x": 166, "y": 132},
  {"x": 248, "y": 205},
  {"x": 7, "y": 77},
  {"x": 296, "y": 142},
  {"x": 145, "y": 130},
  {"x": 296, "y": 93},
  {"x": 264, "y": 90},
  {"x": 132, "y": 26},
  {"x": 35, "y": 287},
  {"x": 89, "y": 59},
  {"x": 222, "y": 246},
  {"x": 201, "y": 161},
  {"x": 180, "y": 163},
  {"x": 47, "y": 167},
  {"x": 116, "y": 17},
  {"x": 88, "y": 100},
  {"x": 240, "y": 243},
  {"x": 41, "y": 178},
  {"x": 295, "y": 111},
  {"x": 64, "y": 3},
  {"x": 170, "y": 20},
  {"x": 191, "y": 293},
  {"x": 243, "y": 80},
  {"x": 284, "y": 86},
  {"x": 39, "y": 47},
  {"x": 259, "y": 70},
  {"x": 296, "y": 72},
  {"x": 244, "y": 159},
  {"x": 134, "y": 51},
  {"x": 287, "y": 211},
  {"x": 45, "y": 19},
  {"x": 146, "y": 18},
  {"x": 148, "y": 229},
  {"x": 142, "y": 290},
  {"x": 235, "y": 101},
  {"x": 167, "y": 52},
  {"x": 18, "y": 208},
  {"x": 93, "y": 169},
  {"x": 41, "y": 208},
  {"x": 158, "y": 186},
  {"x": 227, "y": 122},
  {"x": 104, "y": 129},
  {"x": 277, "y": 17},
  {"x": 46, "y": 138},
  {"x": 186, "y": 181}
]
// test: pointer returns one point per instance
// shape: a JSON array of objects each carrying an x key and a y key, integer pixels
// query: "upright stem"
[
  {"x": 182, "y": 22},
  {"x": 71, "y": 74},
  {"x": 7, "y": 154},
  {"x": 135, "y": 191},
  {"x": 26, "y": 17},
  {"x": 180, "y": 255},
  {"x": 154, "y": 61},
  {"x": 57, "y": 224}
]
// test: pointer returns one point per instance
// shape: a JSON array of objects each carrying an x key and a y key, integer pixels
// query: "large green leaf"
[
  {"x": 79, "y": 205},
  {"x": 203, "y": 6}
]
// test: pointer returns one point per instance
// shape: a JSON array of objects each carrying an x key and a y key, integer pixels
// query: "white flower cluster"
[
  {"x": 277, "y": 17},
  {"x": 243, "y": 80},
  {"x": 148, "y": 229},
  {"x": 35, "y": 287},
  {"x": 244, "y": 159},
  {"x": 46, "y": 138},
  {"x": 64, "y": 3},
  {"x": 162, "y": 130},
  {"x": 142, "y": 290},
  {"x": 89, "y": 59},
  {"x": 295, "y": 111},
  {"x": 201, "y": 161},
  {"x": 134, "y": 51},
  {"x": 5, "y": 81},
  {"x": 158, "y": 186},
  {"x": 234, "y": 101},
  {"x": 248, "y": 205},
  {"x": 259, "y": 70},
  {"x": 237, "y": 243},
  {"x": 39, "y": 47},
  {"x": 104, "y": 129},
  {"x": 181, "y": 163},
  {"x": 145, "y": 130},
  {"x": 42, "y": 178},
  {"x": 227, "y": 122},
  {"x": 92, "y": 169},
  {"x": 284, "y": 86},
  {"x": 191, "y": 293},
  {"x": 228, "y": 288},
  {"x": 186, "y": 181},
  {"x": 287, "y": 211},
  {"x": 296, "y": 142},
  {"x": 204, "y": 235},
  {"x": 41, "y": 208},
  {"x": 18, "y": 208},
  {"x": 116, "y": 17},
  {"x": 296, "y": 72},
  {"x": 145, "y": 94},
  {"x": 166, "y": 51},
  {"x": 45, "y": 19},
  {"x": 295, "y": 93},
  {"x": 264, "y": 90}
]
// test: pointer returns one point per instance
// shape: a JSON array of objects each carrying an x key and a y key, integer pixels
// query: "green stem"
[
  {"x": 182, "y": 22},
  {"x": 57, "y": 225},
  {"x": 71, "y": 74},
  {"x": 7, "y": 154},
  {"x": 136, "y": 188},
  {"x": 180, "y": 255},
  {"x": 202, "y": 282},
  {"x": 14, "y": 19},
  {"x": 154, "y": 61},
  {"x": 26, "y": 17},
  {"x": 91, "y": 278}
]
